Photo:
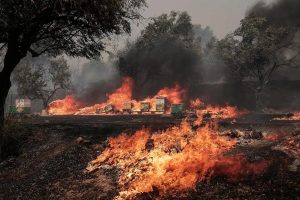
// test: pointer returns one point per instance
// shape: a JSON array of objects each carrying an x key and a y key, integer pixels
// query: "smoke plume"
[
  {"x": 168, "y": 62},
  {"x": 281, "y": 12},
  {"x": 96, "y": 80}
]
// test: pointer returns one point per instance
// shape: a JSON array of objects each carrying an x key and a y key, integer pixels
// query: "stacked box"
[
  {"x": 160, "y": 104},
  {"x": 23, "y": 106},
  {"x": 109, "y": 108},
  {"x": 127, "y": 107},
  {"x": 177, "y": 108},
  {"x": 145, "y": 106}
]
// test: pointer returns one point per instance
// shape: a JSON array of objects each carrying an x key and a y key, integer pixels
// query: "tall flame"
[{"x": 117, "y": 99}]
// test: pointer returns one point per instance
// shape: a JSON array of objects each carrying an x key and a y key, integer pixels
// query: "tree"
[
  {"x": 255, "y": 50},
  {"x": 72, "y": 27},
  {"x": 41, "y": 82},
  {"x": 165, "y": 52},
  {"x": 204, "y": 35},
  {"x": 175, "y": 26}
]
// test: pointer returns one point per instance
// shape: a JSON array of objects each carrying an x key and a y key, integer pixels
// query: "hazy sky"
[{"x": 223, "y": 16}]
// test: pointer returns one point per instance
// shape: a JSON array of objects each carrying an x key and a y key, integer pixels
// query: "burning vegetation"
[
  {"x": 120, "y": 101},
  {"x": 290, "y": 117},
  {"x": 167, "y": 100},
  {"x": 173, "y": 161}
]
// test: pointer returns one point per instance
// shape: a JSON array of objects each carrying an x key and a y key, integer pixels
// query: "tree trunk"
[
  {"x": 258, "y": 99},
  {"x": 5, "y": 86},
  {"x": 10, "y": 62},
  {"x": 12, "y": 58}
]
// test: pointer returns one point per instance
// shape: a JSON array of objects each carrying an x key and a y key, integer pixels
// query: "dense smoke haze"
[
  {"x": 169, "y": 61},
  {"x": 94, "y": 80},
  {"x": 284, "y": 12}
]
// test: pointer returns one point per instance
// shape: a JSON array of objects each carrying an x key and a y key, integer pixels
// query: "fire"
[
  {"x": 122, "y": 96},
  {"x": 174, "y": 95},
  {"x": 273, "y": 137},
  {"x": 116, "y": 100},
  {"x": 67, "y": 106},
  {"x": 196, "y": 103},
  {"x": 238, "y": 167},
  {"x": 172, "y": 161},
  {"x": 214, "y": 112},
  {"x": 293, "y": 117}
]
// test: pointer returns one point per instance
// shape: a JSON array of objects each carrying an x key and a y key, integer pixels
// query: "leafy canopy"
[
  {"x": 73, "y": 27},
  {"x": 253, "y": 49},
  {"x": 42, "y": 81}
]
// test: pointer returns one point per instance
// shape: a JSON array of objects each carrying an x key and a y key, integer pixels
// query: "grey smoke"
[
  {"x": 168, "y": 62},
  {"x": 94, "y": 80},
  {"x": 281, "y": 12}
]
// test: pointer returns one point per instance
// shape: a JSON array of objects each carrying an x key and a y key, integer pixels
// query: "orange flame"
[
  {"x": 67, "y": 106},
  {"x": 172, "y": 161},
  {"x": 174, "y": 95},
  {"x": 117, "y": 99},
  {"x": 178, "y": 158},
  {"x": 215, "y": 112},
  {"x": 294, "y": 117},
  {"x": 238, "y": 167},
  {"x": 197, "y": 103}
]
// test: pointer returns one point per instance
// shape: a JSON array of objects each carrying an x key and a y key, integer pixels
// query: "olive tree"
[
  {"x": 53, "y": 27},
  {"x": 255, "y": 50},
  {"x": 42, "y": 81}
]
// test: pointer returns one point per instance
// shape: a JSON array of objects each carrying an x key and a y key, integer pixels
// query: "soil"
[{"x": 53, "y": 159}]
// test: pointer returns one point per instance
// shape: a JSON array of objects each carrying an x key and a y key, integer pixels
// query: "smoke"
[
  {"x": 94, "y": 80},
  {"x": 281, "y": 12},
  {"x": 166, "y": 63}
]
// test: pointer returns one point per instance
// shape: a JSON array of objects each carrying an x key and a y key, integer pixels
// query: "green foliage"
[
  {"x": 73, "y": 27},
  {"x": 252, "y": 49},
  {"x": 173, "y": 27},
  {"x": 42, "y": 81},
  {"x": 166, "y": 51}
]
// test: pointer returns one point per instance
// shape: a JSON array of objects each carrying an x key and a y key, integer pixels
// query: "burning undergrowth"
[
  {"x": 172, "y": 162},
  {"x": 290, "y": 117},
  {"x": 167, "y": 100}
]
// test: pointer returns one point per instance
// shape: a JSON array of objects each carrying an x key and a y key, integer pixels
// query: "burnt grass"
[{"x": 52, "y": 159}]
